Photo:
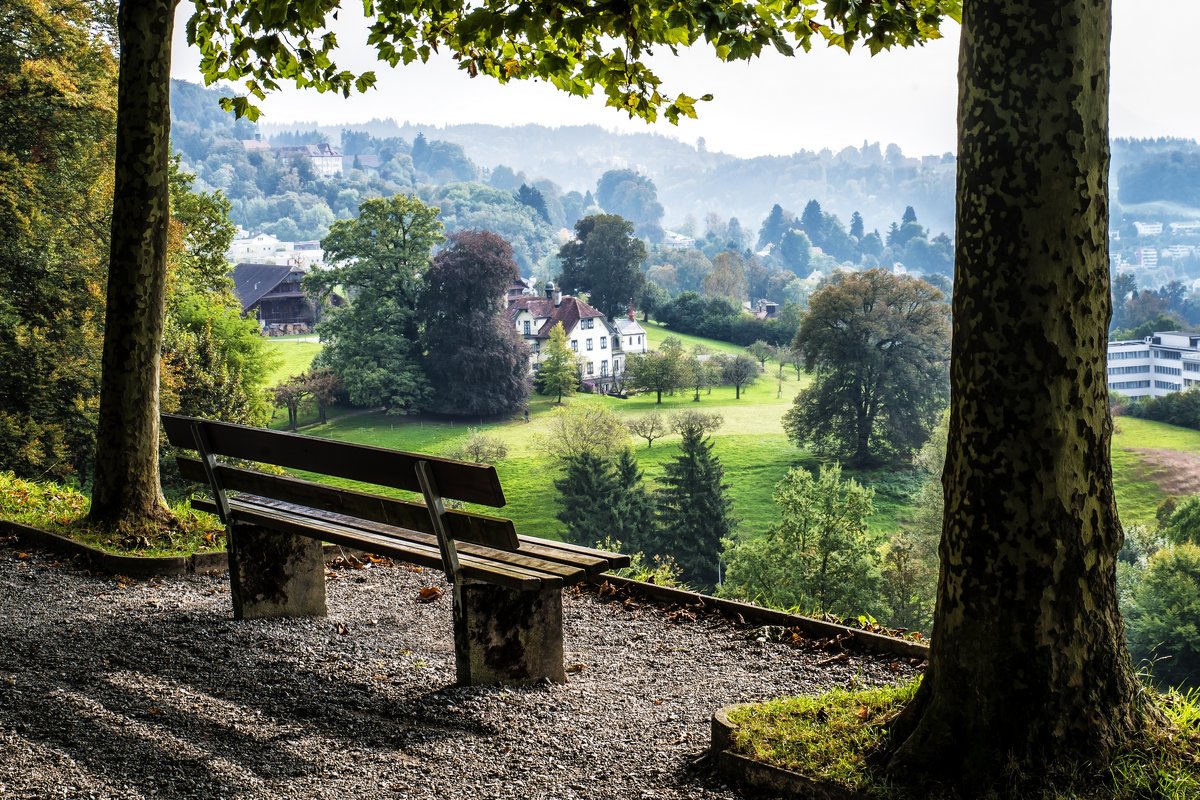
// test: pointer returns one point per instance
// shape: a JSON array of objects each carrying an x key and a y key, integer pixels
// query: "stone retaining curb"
[
  {"x": 862, "y": 640},
  {"x": 765, "y": 779},
  {"x": 132, "y": 566}
]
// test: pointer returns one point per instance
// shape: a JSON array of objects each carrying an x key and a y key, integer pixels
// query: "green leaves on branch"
[{"x": 576, "y": 47}]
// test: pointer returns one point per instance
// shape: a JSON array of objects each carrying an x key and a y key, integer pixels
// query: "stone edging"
[
  {"x": 132, "y": 566},
  {"x": 861, "y": 640},
  {"x": 765, "y": 779}
]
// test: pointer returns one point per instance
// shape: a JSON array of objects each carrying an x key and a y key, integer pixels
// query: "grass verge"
[
  {"x": 62, "y": 510},
  {"x": 830, "y": 738}
]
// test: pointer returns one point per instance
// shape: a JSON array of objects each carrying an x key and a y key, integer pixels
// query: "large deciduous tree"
[
  {"x": 879, "y": 344},
  {"x": 604, "y": 259},
  {"x": 1028, "y": 670},
  {"x": 372, "y": 344},
  {"x": 475, "y": 359},
  {"x": 57, "y": 76}
]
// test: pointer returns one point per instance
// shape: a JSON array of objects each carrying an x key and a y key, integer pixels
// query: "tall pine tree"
[
  {"x": 587, "y": 491},
  {"x": 694, "y": 514},
  {"x": 633, "y": 507}
]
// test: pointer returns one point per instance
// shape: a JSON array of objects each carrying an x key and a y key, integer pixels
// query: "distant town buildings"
[
  {"x": 263, "y": 248},
  {"x": 1162, "y": 363},
  {"x": 1148, "y": 228},
  {"x": 326, "y": 159}
]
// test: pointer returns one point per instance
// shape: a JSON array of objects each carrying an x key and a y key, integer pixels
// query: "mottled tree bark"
[
  {"x": 127, "y": 490},
  {"x": 1028, "y": 669}
]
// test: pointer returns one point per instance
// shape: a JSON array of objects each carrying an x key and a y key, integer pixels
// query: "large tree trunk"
[
  {"x": 127, "y": 490},
  {"x": 1028, "y": 668}
]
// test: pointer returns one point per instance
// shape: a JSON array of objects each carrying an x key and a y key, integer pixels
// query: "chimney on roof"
[
  {"x": 631, "y": 314},
  {"x": 557, "y": 297},
  {"x": 553, "y": 293}
]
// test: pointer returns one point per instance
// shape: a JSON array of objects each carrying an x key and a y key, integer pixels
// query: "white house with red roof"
[{"x": 599, "y": 347}]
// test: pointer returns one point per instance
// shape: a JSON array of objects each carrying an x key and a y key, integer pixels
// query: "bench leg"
[
  {"x": 507, "y": 636},
  {"x": 273, "y": 574}
]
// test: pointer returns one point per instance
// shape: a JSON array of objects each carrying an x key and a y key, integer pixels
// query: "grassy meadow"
[{"x": 1150, "y": 460}]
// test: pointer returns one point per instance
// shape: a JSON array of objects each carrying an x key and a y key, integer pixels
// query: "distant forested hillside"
[
  {"x": 1157, "y": 171},
  {"x": 878, "y": 182}
]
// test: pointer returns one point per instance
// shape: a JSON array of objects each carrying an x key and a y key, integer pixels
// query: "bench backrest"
[
  {"x": 471, "y": 483},
  {"x": 434, "y": 477}
]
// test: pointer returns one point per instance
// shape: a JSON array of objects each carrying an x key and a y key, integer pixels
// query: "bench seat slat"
[
  {"x": 464, "y": 526},
  {"x": 471, "y": 483},
  {"x": 615, "y": 560},
  {"x": 544, "y": 549},
  {"x": 513, "y": 577},
  {"x": 568, "y": 572}
]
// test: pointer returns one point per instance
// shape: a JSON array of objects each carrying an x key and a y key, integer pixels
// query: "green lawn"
[
  {"x": 656, "y": 332},
  {"x": 1138, "y": 492},
  {"x": 294, "y": 355},
  {"x": 751, "y": 445}
]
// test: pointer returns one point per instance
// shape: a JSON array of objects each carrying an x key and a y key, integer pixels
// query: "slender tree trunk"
[
  {"x": 127, "y": 490},
  {"x": 1028, "y": 669}
]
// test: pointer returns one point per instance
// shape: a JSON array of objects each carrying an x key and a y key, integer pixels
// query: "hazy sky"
[{"x": 776, "y": 105}]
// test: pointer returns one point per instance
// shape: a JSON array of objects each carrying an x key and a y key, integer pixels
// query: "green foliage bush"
[
  {"x": 1163, "y": 620},
  {"x": 821, "y": 557},
  {"x": 1178, "y": 408}
]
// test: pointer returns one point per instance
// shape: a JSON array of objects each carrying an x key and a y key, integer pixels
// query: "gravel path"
[{"x": 112, "y": 688}]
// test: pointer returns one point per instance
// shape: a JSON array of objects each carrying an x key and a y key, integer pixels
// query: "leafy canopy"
[{"x": 576, "y": 47}]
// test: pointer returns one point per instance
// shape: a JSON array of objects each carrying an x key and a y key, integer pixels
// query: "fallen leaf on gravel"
[
  {"x": 428, "y": 594},
  {"x": 342, "y": 629},
  {"x": 22, "y": 555},
  {"x": 577, "y": 668}
]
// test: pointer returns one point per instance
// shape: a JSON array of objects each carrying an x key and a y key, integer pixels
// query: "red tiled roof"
[{"x": 568, "y": 312}]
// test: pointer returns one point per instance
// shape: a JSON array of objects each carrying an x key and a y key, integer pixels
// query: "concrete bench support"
[
  {"x": 507, "y": 636},
  {"x": 273, "y": 574}
]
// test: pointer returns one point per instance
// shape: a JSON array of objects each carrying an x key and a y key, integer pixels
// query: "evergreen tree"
[
  {"x": 558, "y": 373},
  {"x": 856, "y": 226},
  {"x": 586, "y": 492},
  {"x": 812, "y": 220},
  {"x": 476, "y": 361},
  {"x": 694, "y": 513},
  {"x": 777, "y": 223},
  {"x": 530, "y": 196},
  {"x": 910, "y": 215},
  {"x": 633, "y": 507}
]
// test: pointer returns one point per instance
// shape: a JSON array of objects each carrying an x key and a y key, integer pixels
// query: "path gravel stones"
[{"x": 111, "y": 688}]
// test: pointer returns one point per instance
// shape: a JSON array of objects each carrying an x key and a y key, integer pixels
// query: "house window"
[
  {"x": 591, "y": 368},
  {"x": 639, "y": 340},
  {"x": 526, "y": 327},
  {"x": 603, "y": 342},
  {"x": 589, "y": 344},
  {"x": 604, "y": 368},
  {"x": 537, "y": 347},
  {"x": 587, "y": 324},
  {"x": 575, "y": 345}
]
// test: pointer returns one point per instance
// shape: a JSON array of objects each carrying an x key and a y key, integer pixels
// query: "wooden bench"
[{"x": 507, "y": 588}]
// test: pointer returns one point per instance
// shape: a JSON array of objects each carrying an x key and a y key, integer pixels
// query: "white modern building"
[
  {"x": 599, "y": 346},
  {"x": 264, "y": 248},
  {"x": 1162, "y": 363}
]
